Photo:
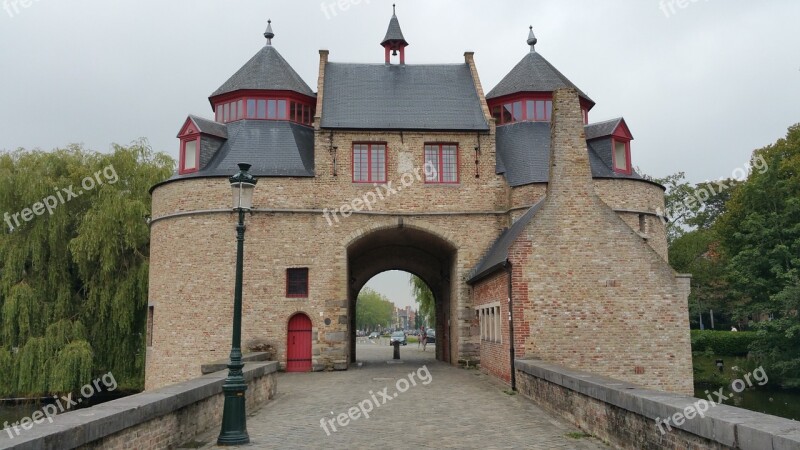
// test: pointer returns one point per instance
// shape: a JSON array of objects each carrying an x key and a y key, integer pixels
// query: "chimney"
[{"x": 570, "y": 173}]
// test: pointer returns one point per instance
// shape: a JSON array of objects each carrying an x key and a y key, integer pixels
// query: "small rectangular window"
[
  {"x": 369, "y": 163},
  {"x": 621, "y": 156},
  {"x": 282, "y": 109},
  {"x": 218, "y": 113},
  {"x": 251, "y": 108},
  {"x": 293, "y": 107},
  {"x": 190, "y": 155},
  {"x": 240, "y": 115},
  {"x": 227, "y": 109},
  {"x": 150, "y": 317},
  {"x": 518, "y": 112},
  {"x": 441, "y": 163},
  {"x": 297, "y": 283},
  {"x": 262, "y": 109},
  {"x": 529, "y": 110},
  {"x": 548, "y": 109},
  {"x": 507, "y": 117},
  {"x": 272, "y": 109},
  {"x": 540, "y": 114}
]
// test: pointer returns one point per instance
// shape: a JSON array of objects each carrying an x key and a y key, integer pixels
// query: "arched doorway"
[
  {"x": 298, "y": 344},
  {"x": 412, "y": 250}
]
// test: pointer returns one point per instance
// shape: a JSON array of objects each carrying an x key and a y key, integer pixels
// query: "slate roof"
[
  {"x": 533, "y": 74},
  {"x": 602, "y": 129},
  {"x": 210, "y": 127},
  {"x": 498, "y": 252},
  {"x": 523, "y": 154},
  {"x": 391, "y": 97},
  {"x": 267, "y": 70},
  {"x": 274, "y": 149},
  {"x": 394, "y": 33}
]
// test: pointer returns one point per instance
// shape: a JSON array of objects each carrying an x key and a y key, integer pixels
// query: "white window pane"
[
  {"x": 251, "y": 108},
  {"x": 272, "y": 109},
  {"x": 262, "y": 109},
  {"x": 190, "y": 155},
  {"x": 620, "y": 156},
  {"x": 282, "y": 109}
]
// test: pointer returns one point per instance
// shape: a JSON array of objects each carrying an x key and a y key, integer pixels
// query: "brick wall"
[{"x": 599, "y": 297}]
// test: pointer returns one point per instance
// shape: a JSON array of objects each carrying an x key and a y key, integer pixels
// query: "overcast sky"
[{"x": 700, "y": 86}]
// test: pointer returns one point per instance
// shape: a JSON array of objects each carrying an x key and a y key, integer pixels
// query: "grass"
[{"x": 706, "y": 372}]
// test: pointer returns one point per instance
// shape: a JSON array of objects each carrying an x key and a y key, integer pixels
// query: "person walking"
[{"x": 424, "y": 339}]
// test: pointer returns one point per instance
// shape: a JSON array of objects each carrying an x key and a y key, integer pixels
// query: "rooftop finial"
[
  {"x": 269, "y": 34},
  {"x": 394, "y": 9},
  {"x": 532, "y": 40}
]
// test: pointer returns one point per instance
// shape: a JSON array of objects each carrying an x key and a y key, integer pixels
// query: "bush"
[{"x": 724, "y": 343}]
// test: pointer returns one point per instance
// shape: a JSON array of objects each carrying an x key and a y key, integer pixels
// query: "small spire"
[
  {"x": 269, "y": 34},
  {"x": 394, "y": 9},
  {"x": 532, "y": 40}
]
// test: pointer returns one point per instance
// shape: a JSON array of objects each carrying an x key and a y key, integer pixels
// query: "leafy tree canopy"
[{"x": 74, "y": 250}]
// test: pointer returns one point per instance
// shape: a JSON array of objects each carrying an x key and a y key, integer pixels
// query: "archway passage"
[
  {"x": 298, "y": 345},
  {"x": 412, "y": 250}
]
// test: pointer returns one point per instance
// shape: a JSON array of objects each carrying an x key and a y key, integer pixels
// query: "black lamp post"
[{"x": 234, "y": 420}]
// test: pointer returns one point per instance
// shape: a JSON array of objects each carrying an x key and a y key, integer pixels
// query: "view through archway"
[{"x": 413, "y": 252}]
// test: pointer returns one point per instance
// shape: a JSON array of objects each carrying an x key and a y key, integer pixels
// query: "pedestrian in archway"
[{"x": 423, "y": 338}]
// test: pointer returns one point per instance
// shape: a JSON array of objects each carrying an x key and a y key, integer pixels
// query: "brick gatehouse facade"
[{"x": 528, "y": 222}]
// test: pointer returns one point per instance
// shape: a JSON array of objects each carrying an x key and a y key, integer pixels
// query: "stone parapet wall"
[
  {"x": 625, "y": 415},
  {"x": 163, "y": 418}
]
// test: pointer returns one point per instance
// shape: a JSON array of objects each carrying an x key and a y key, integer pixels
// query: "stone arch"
[{"x": 411, "y": 247}]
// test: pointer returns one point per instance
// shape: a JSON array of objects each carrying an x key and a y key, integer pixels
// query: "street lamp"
[{"x": 234, "y": 420}]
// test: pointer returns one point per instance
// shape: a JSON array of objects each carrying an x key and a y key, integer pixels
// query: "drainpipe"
[{"x": 507, "y": 266}]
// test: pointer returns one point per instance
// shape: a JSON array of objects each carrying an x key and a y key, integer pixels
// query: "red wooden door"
[{"x": 298, "y": 346}]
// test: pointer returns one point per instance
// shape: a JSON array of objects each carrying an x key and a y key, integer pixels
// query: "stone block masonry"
[{"x": 163, "y": 418}]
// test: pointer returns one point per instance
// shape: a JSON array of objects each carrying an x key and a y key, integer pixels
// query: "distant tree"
[
  {"x": 760, "y": 233},
  {"x": 424, "y": 297},
  {"x": 372, "y": 310},
  {"x": 73, "y": 278}
]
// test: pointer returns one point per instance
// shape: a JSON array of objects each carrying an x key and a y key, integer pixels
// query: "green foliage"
[
  {"x": 73, "y": 280},
  {"x": 373, "y": 310},
  {"x": 425, "y": 299},
  {"x": 760, "y": 232},
  {"x": 725, "y": 343}
]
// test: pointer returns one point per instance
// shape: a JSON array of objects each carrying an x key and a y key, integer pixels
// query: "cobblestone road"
[{"x": 443, "y": 407}]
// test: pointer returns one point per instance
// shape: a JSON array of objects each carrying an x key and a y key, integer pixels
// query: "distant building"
[{"x": 527, "y": 221}]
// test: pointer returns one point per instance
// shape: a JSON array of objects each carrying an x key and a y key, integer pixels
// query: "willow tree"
[
  {"x": 73, "y": 265},
  {"x": 425, "y": 299}
]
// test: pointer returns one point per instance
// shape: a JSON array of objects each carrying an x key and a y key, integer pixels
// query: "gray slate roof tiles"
[
  {"x": 523, "y": 154},
  {"x": 533, "y": 74},
  {"x": 266, "y": 70},
  {"x": 602, "y": 129},
  {"x": 394, "y": 33},
  {"x": 210, "y": 127},
  {"x": 274, "y": 149},
  {"x": 391, "y": 97}
]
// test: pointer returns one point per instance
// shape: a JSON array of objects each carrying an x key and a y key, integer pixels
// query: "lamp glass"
[{"x": 243, "y": 195}]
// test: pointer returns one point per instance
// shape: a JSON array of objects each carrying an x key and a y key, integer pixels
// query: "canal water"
[{"x": 776, "y": 402}]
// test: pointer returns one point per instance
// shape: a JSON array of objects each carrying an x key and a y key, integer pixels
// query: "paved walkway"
[{"x": 441, "y": 407}]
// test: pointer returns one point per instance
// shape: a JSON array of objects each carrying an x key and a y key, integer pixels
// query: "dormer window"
[
  {"x": 621, "y": 155},
  {"x": 190, "y": 155}
]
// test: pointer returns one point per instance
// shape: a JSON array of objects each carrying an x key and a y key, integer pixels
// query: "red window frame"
[
  {"x": 371, "y": 177},
  {"x": 294, "y": 283},
  {"x": 628, "y": 170},
  {"x": 296, "y": 108},
  {"x": 440, "y": 172},
  {"x": 182, "y": 160}
]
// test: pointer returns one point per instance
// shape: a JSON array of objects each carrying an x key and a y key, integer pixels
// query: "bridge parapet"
[
  {"x": 162, "y": 418},
  {"x": 627, "y": 416}
]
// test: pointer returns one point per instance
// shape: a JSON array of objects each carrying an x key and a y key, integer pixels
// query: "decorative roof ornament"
[
  {"x": 532, "y": 40},
  {"x": 269, "y": 34}
]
